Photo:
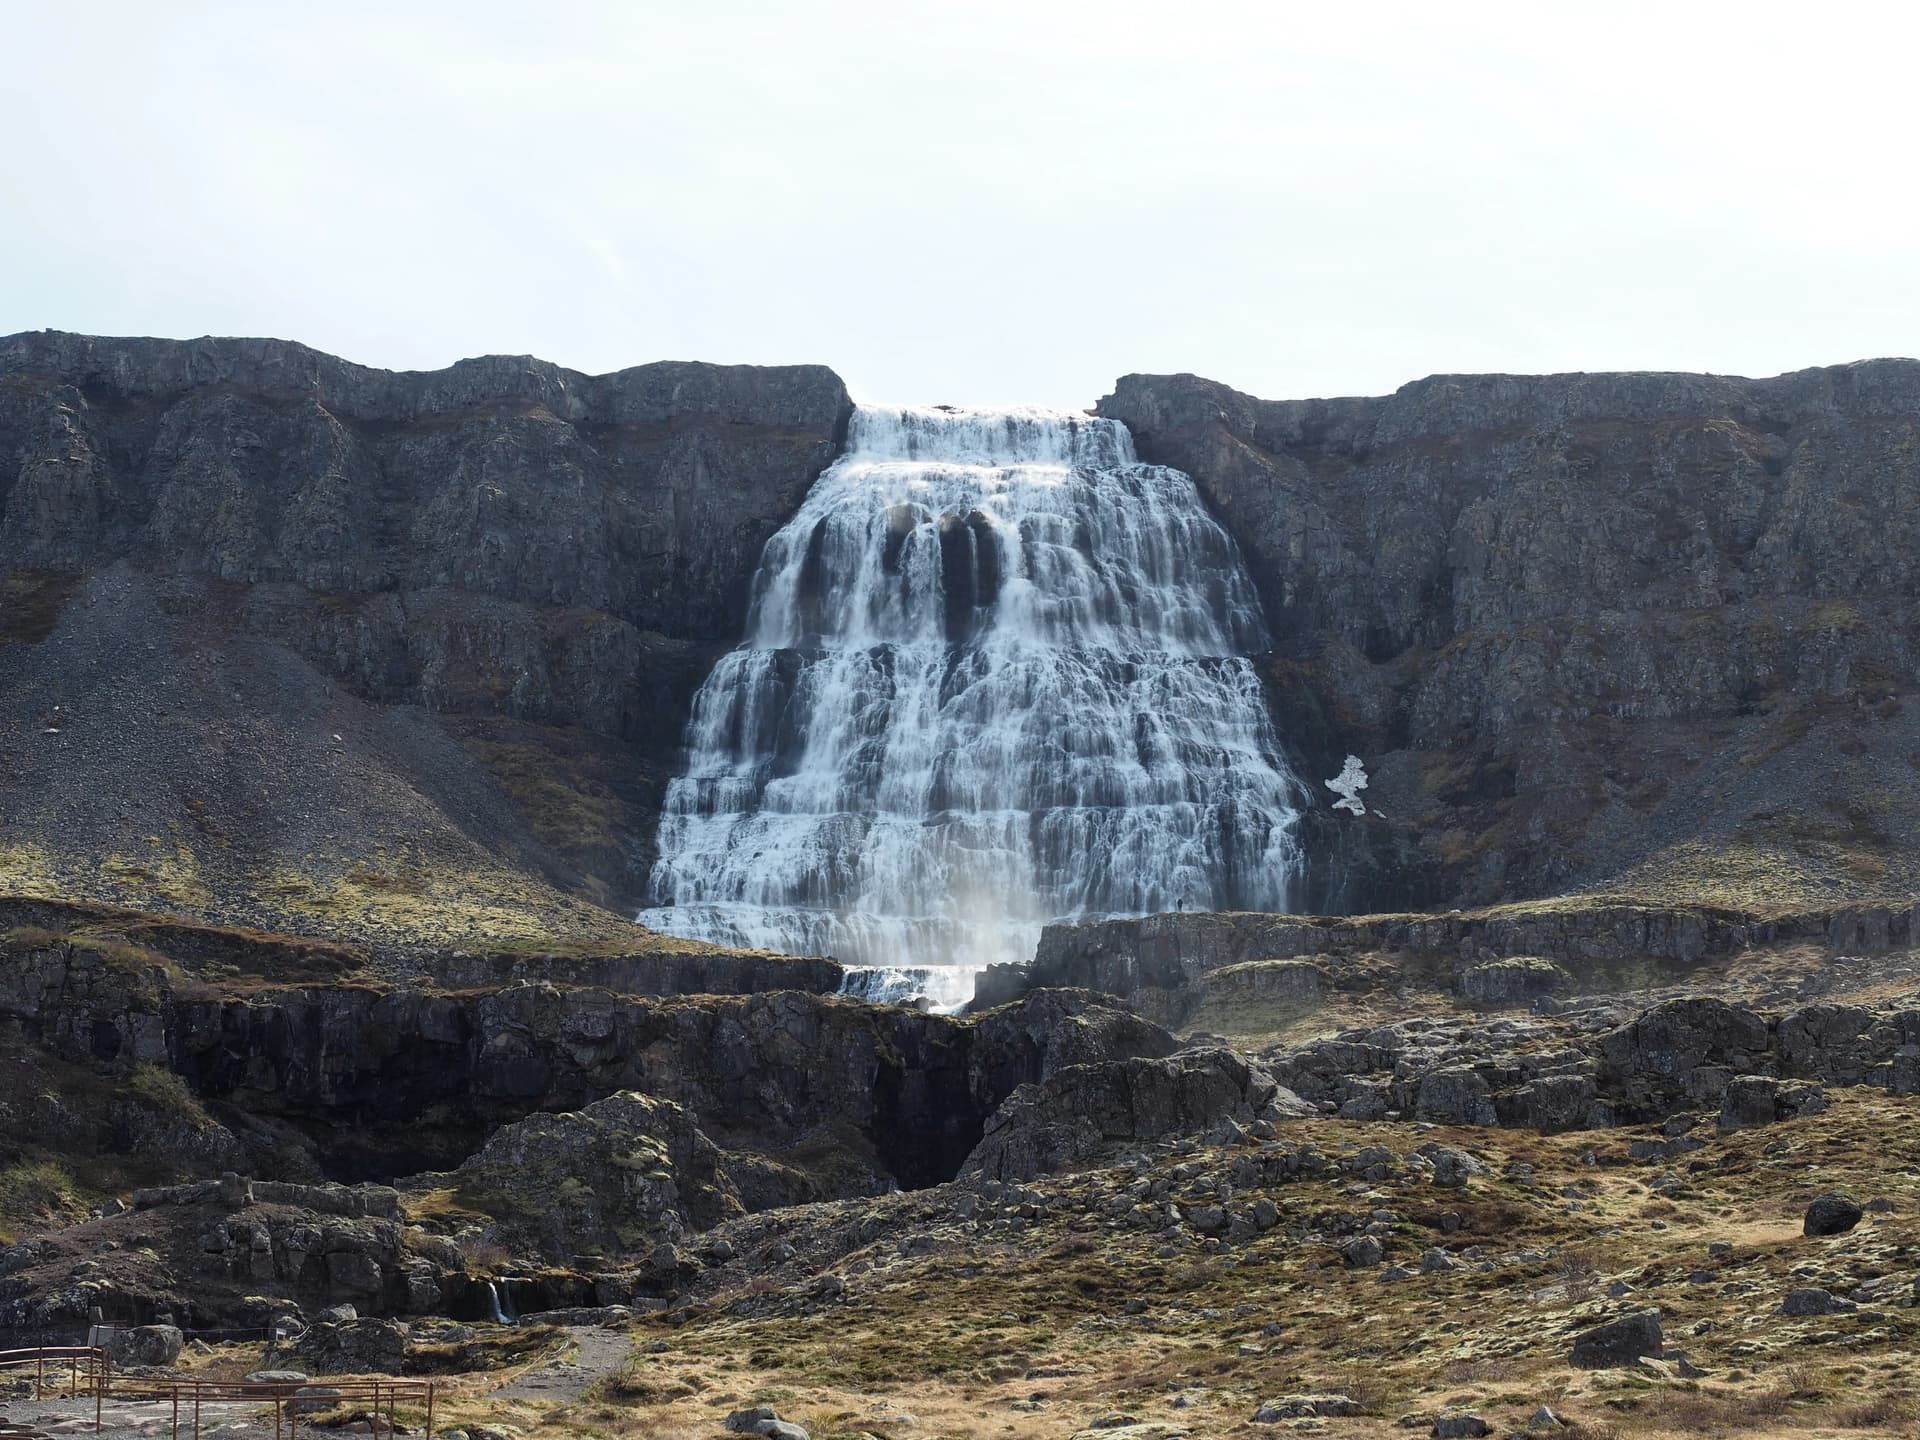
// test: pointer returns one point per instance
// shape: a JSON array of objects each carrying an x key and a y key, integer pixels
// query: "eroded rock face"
[{"x": 1513, "y": 980}]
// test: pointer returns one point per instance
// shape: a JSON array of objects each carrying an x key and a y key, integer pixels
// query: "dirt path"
[{"x": 598, "y": 1352}]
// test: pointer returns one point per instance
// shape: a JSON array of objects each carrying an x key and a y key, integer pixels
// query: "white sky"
[{"x": 976, "y": 203}]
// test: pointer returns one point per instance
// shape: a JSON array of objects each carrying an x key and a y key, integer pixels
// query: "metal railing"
[
  {"x": 79, "y": 1372},
  {"x": 87, "y": 1370}
]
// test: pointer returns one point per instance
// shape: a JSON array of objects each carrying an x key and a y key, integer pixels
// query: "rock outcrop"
[
  {"x": 618, "y": 1177},
  {"x": 1165, "y": 965},
  {"x": 1602, "y": 1064},
  {"x": 1083, "y": 1110},
  {"x": 348, "y": 1072}
]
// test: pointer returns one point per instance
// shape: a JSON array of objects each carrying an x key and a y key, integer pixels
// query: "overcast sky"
[{"x": 977, "y": 203}]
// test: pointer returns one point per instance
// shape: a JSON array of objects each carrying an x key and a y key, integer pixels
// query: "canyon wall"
[
  {"x": 270, "y": 621},
  {"x": 1643, "y": 629}
]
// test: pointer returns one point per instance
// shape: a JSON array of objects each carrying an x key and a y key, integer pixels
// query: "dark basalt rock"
[
  {"x": 1619, "y": 1342},
  {"x": 504, "y": 544},
  {"x": 1832, "y": 1214},
  {"x": 1082, "y": 1110},
  {"x": 351, "y": 1070},
  {"x": 1557, "y": 616}
]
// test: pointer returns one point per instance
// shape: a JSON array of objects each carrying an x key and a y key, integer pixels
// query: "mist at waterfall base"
[{"x": 994, "y": 676}]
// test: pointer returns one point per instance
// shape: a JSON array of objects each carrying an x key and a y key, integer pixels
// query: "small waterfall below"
[
  {"x": 994, "y": 675},
  {"x": 500, "y": 1302}
]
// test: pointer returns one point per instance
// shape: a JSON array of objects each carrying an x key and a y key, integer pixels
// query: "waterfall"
[
  {"x": 994, "y": 675},
  {"x": 500, "y": 1302}
]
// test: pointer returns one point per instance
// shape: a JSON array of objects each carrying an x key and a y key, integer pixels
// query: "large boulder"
[
  {"x": 1832, "y": 1214},
  {"x": 145, "y": 1345},
  {"x": 1673, "y": 1038},
  {"x": 1836, "y": 1043},
  {"x": 619, "y": 1176},
  {"x": 354, "y": 1347},
  {"x": 1316, "y": 1405},
  {"x": 1083, "y": 1110},
  {"x": 1619, "y": 1342},
  {"x": 1455, "y": 1096},
  {"x": 1751, "y": 1100}
]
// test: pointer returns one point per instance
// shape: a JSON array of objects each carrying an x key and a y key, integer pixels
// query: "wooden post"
[{"x": 430, "y": 1410}]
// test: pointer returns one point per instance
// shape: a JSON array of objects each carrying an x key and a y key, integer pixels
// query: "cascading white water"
[{"x": 994, "y": 675}]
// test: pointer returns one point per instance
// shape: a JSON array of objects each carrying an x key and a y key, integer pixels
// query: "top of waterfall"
[{"x": 935, "y": 434}]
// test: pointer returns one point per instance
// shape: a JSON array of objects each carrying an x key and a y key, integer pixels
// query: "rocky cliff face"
[
  {"x": 223, "y": 556},
  {"x": 1583, "y": 628},
  {"x": 364, "y": 1080},
  {"x": 289, "y": 640}
]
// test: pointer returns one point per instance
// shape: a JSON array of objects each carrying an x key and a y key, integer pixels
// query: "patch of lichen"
[{"x": 27, "y": 869}]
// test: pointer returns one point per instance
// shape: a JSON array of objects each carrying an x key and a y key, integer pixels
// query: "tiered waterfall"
[{"x": 994, "y": 675}]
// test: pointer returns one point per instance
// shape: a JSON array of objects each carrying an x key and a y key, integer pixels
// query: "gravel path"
[
  {"x": 133, "y": 1419},
  {"x": 600, "y": 1352}
]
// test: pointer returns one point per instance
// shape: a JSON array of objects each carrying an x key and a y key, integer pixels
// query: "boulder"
[
  {"x": 1619, "y": 1342},
  {"x": 1328, "y": 1405},
  {"x": 1451, "y": 1168},
  {"x": 1751, "y": 1100},
  {"x": 1832, "y": 1214},
  {"x": 619, "y": 1176},
  {"x": 1083, "y": 1110},
  {"x": 354, "y": 1347},
  {"x": 1810, "y": 1300},
  {"x": 1362, "y": 1252},
  {"x": 1462, "y": 1423},
  {"x": 1552, "y": 1103},
  {"x": 761, "y": 1420},
  {"x": 145, "y": 1345},
  {"x": 1455, "y": 1096},
  {"x": 1673, "y": 1038}
]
